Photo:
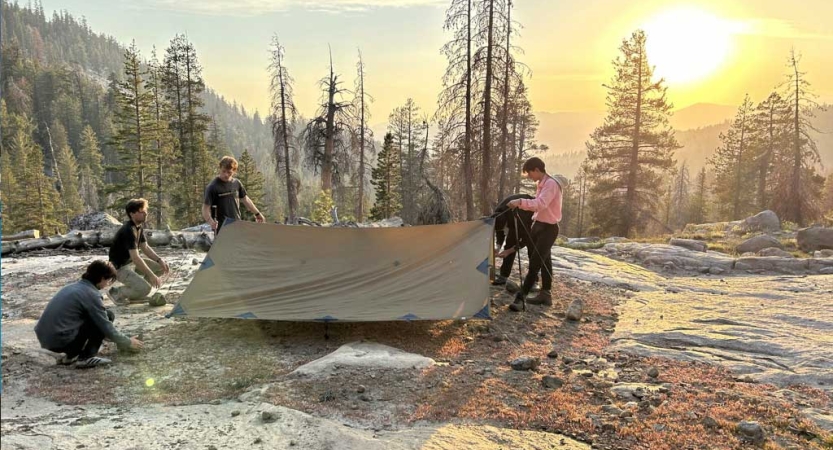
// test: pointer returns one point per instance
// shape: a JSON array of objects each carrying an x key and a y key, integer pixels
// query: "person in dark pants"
[
  {"x": 75, "y": 322},
  {"x": 505, "y": 232},
  {"x": 224, "y": 195},
  {"x": 547, "y": 208}
]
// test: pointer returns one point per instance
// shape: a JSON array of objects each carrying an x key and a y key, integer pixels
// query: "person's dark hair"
[
  {"x": 534, "y": 163},
  {"x": 135, "y": 205},
  {"x": 99, "y": 270}
]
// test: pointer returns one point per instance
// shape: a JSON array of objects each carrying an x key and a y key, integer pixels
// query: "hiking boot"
[
  {"x": 114, "y": 294},
  {"x": 92, "y": 362},
  {"x": 499, "y": 280},
  {"x": 66, "y": 361},
  {"x": 519, "y": 304},
  {"x": 543, "y": 298}
]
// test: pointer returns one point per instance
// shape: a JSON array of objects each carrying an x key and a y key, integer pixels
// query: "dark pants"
[
  {"x": 88, "y": 341},
  {"x": 540, "y": 260},
  {"x": 511, "y": 241}
]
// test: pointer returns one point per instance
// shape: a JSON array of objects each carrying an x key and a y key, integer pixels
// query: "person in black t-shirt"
[
  {"x": 124, "y": 254},
  {"x": 224, "y": 195},
  {"x": 505, "y": 231}
]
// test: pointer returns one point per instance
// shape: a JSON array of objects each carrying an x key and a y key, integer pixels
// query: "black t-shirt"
[
  {"x": 127, "y": 238},
  {"x": 225, "y": 195}
]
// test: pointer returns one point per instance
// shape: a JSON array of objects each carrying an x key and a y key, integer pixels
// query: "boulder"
[
  {"x": 766, "y": 221},
  {"x": 93, "y": 221},
  {"x": 815, "y": 238},
  {"x": 691, "y": 244},
  {"x": 758, "y": 243}
]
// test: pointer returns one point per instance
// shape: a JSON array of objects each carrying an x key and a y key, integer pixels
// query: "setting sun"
[{"x": 687, "y": 44}]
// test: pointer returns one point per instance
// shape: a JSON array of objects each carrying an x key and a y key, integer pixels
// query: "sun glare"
[{"x": 687, "y": 45}]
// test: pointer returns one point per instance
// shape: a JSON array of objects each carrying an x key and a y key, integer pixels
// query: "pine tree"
[
  {"x": 386, "y": 179},
  {"x": 90, "y": 170},
  {"x": 133, "y": 138},
  {"x": 734, "y": 168},
  {"x": 798, "y": 186},
  {"x": 771, "y": 122},
  {"x": 9, "y": 192},
  {"x": 698, "y": 206},
  {"x": 324, "y": 204},
  {"x": 71, "y": 203},
  {"x": 162, "y": 139},
  {"x": 37, "y": 203},
  {"x": 252, "y": 179},
  {"x": 183, "y": 87},
  {"x": 627, "y": 155}
]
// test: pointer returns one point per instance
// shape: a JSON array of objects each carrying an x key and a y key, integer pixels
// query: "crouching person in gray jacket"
[{"x": 75, "y": 322}]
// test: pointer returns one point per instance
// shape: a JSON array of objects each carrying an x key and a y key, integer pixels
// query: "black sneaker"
[
  {"x": 499, "y": 280},
  {"x": 95, "y": 361}
]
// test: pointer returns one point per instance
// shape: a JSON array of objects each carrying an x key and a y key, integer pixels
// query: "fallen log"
[
  {"x": 198, "y": 240},
  {"x": 28, "y": 234}
]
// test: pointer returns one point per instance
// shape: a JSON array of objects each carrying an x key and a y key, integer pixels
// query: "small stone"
[
  {"x": 612, "y": 410},
  {"x": 292, "y": 443},
  {"x": 257, "y": 441},
  {"x": 360, "y": 389},
  {"x": 525, "y": 363},
  {"x": 364, "y": 398},
  {"x": 211, "y": 447},
  {"x": 653, "y": 372},
  {"x": 552, "y": 354},
  {"x": 268, "y": 416},
  {"x": 575, "y": 309},
  {"x": 216, "y": 402},
  {"x": 195, "y": 261},
  {"x": 709, "y": 422},
  {"x": 235, "y": 413},
  {"x": 752, "y": 431},
  {"x": 551, "y": 382},
  {"x": 499, "y": 338},
  {"x": 625, "y": 414}
]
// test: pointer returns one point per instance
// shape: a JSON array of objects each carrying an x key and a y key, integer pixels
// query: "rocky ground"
[{"x": 656, "y": 360}]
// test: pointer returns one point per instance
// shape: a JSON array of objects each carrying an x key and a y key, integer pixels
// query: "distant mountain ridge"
[{"x": 698, "y": 129}]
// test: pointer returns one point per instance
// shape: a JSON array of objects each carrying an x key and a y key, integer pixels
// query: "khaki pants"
[{"x": 136, "y": 286}]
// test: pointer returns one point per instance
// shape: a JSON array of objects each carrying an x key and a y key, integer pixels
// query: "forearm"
[
  {"x": 249, "y": 204},
  {"x": 206, "y": 213}
]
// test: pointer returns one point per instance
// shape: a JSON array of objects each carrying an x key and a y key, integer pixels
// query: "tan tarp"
[{"x": 297, "y": 273}]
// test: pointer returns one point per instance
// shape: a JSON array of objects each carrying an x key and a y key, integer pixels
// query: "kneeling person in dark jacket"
[{"x": 76, "y": 323}]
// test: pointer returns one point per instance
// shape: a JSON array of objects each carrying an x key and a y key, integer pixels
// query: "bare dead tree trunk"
[
  {"x": 467, "y": 165},
  {"x": 505, "y": 118},
  {"x": 486, "y": 151}
]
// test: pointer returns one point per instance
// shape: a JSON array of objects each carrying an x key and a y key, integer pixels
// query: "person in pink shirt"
[{"x": 547, "y": 213}]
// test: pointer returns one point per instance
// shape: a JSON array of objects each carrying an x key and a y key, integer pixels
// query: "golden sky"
[{"x": 710, "y": 51}]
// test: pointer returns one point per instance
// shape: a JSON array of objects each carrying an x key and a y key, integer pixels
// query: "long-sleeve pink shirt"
[{"x": 547, "y": 201}]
